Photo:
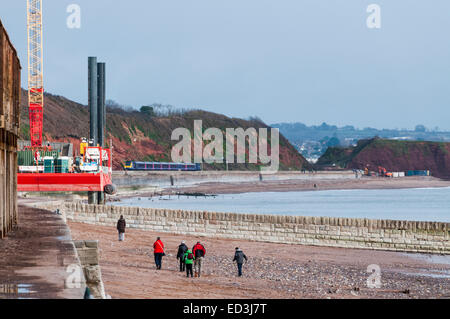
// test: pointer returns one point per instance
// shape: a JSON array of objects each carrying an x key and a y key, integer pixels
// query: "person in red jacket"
[
  {"x": 199, "y": 252},
  {"x": 158, "y": 250}
]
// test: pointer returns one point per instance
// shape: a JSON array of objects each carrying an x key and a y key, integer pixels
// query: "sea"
[{"x": 419, "y": 204}]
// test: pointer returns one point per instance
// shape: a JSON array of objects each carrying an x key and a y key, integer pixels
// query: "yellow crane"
[{"x": 35, "y": 71}]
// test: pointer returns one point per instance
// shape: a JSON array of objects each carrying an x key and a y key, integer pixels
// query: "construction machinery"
[
  {"x": 90, "y": 173},
  {"x": 383, "y": 172},
  {"x": 50, "y": 171},
  {"x": 380, "y": 171},
  {"x": 35, "y": 71}
]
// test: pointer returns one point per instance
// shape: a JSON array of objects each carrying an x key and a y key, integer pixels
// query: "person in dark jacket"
[
  {"x": 199, "y": 252},
  {"x": 182, "y": 249},
  {"x": 121, "y": 225},
  {"x": 158, "y": 250},
  {"x": 239, "y": 257}
]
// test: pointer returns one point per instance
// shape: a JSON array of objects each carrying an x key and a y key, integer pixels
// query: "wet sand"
[
  {"x": 35, "y": 256},
  {"x": 273, "y": 271},
  {"x": 298, "y": 185}
]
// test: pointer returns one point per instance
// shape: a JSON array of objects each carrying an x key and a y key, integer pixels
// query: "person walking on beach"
[
  {"x": 199, "y": 252},
  {"x": 158, "y": 249},
  {"x": 121, "y": 225},
  {"x": 239, "y": 257},
  {"x": 189, "y": 260},
  {"x": 182, "y": 249}
]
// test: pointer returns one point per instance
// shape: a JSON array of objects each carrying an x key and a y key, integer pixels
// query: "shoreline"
[{"x": 291, "y": 185}]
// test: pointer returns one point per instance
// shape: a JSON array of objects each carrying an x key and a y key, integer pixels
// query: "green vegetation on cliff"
[{"x": 144, "y": 135}]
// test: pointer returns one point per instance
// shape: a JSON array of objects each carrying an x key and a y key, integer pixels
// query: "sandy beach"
[{"x": 273, "y": 270}]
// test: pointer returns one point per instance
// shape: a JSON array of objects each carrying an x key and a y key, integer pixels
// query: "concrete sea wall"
[
  {"x": 163, "y": 179},
  {"x": 392, "y": 235},
  {"x": 88, "y": 254}
]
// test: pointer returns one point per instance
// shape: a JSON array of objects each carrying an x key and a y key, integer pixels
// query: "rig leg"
[
  {"x": 101, "y": 198},
  {"x": 92, "y": 198}
]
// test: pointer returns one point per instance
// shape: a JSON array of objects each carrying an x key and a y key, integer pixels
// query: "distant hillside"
[
  {"x": 141, "y": 136},
  {"x": 302, "y": 132},
  {"x": 393, "y": 155},
  {"x": 313, "y": 141}
]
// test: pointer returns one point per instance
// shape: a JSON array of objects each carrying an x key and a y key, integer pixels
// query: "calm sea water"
[{"x": 430, "y": 204}]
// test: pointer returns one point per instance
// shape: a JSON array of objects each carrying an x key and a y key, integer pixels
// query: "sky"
[{"x": 308, "y": 61}]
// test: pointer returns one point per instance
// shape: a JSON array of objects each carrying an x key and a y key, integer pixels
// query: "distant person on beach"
[
  {"x": 121, "y": 225},
  {"x": 199, "y": 252},
  {"x": 189, "y": 260},
  {"x": 182, "y": 249},
  {"x": 239, "y": 257},
  {"x": 158, "y": 249}
]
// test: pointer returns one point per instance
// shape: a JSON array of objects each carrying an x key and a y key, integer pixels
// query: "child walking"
[{"x": 189, "y": 261}]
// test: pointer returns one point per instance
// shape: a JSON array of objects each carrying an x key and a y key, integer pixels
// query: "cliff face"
[
  {"x": 141, "y": 136},
  {"x": 393, "y": 155}
]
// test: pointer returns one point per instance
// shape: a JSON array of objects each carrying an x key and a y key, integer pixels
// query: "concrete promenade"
[{"x": 35, "y": 257}]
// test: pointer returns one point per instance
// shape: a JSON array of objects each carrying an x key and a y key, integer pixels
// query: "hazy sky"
[{"x": 284, "y": 61}]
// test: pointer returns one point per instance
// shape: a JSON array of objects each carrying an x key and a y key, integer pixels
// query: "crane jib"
[{"x": 35, "y": 71}]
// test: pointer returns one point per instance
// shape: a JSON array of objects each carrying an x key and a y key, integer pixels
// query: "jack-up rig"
[{"x": 44, "y": 169}]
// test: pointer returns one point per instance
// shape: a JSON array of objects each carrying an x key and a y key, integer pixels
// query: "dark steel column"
[
  {"x": 101, "y": 104},
  {"x": 101, "y": 120},
  {"x": 93, "y": 108},
  {"x": 93, "y": 99}
]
